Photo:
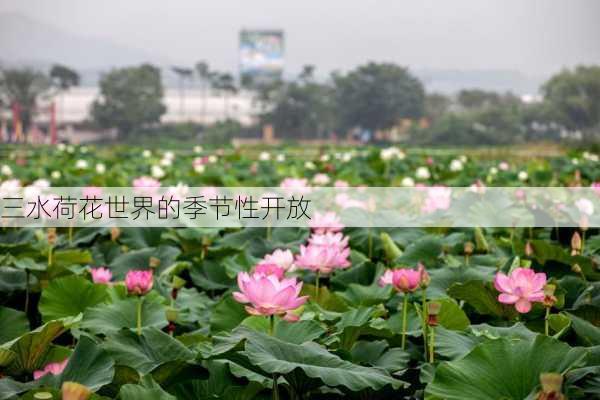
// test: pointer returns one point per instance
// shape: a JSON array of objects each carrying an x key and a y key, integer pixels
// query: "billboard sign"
[{"x": 261, "y": 55}]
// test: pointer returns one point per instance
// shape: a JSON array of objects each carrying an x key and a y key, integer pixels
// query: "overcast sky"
[{"x": 532, "y": 36}]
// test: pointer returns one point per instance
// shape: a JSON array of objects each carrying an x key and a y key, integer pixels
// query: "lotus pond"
[{"x": 331, "y": 312}]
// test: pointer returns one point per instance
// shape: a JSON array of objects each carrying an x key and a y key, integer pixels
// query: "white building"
[{"x": 191, "y": 106}]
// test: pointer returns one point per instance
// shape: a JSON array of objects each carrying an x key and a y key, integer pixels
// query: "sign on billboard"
[{"x": 261, "y": 55}]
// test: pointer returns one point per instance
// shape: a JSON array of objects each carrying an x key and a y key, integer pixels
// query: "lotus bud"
[
  {"x": 433, "y": 309},
  {"x": 425, "y": 279},
  {"x": 551, "y": 387},
  {"x": 480, "y": 240},
  {"x": 529, "y": 249},
  {"x": 549, "y": 298},
  {"x": 43, "y": 396},
  {"x": 51, "y": 235},
  {"x": 115, "y": 232},
  {"x": 75, "y": 391},
  {"x": 177, "y": 282},
  {"x": 469, "y": 248},
  {"x": 576, "y": 244},
  {"x": 389, "y": 247},
  {"x": 525, "y": 263},
  {"x": 172, "y": 314},
  {"x": 154, "y": 262}
]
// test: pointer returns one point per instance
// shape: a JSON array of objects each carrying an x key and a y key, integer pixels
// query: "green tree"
[
  {"x": 226, "y": 85},
  {"x": 302, "y": 109},
  {"x": 436, "y": 105},
  {"x": 130, "y": 98},
  {"x": 574, "y": 96},
  {"x": 64, "y": 77},
  {"x": 377, "y": 96},
  {"x": 23, "y": 86}
]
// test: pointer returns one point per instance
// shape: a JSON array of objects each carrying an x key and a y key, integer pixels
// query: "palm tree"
[
  {"x": 226, "y": 84},
  {"x": 183, "y": 74},
  {"x": 204, "y": 74}
]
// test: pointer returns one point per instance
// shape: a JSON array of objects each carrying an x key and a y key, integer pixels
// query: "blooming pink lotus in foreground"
[
  {"x": 323, "y": 258},
  {"x": 282, "y": 258},
  {"x": 405, "y": 280},
  {"x": 139, "y": 282},
  {"x": 54, "y": 368},
  {"x": 268, "y": 295},
  {"x": 327, "y": 222},
  {"x": 101, "y": 275},
  {"x": 521, "y": 287},
  {"x": 269, "y": 269}
]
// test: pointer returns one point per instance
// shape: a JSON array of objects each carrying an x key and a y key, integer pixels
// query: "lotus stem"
[
  {"x": 269, "y": 232},
  {"x": 404, "y": 320},
  {"x": 71, "y": 234},
  {"x": 26, "y": 290},
  {"x": 317, "y": 286},
  {"x": 370, "y": 244},
  {"x": 424, "y": 312},
  {"x": 546, "y": 322},
  {"x": 271, "y": 324},
  {"x": 50, "y": 249},
  {"x": 139, "y": 315},
  {"x": 432, "y": 346}
]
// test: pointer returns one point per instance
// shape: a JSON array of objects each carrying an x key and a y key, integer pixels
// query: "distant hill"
[
  {"x": 451, "y": 81},
  {"x": 24, "y": 40}
]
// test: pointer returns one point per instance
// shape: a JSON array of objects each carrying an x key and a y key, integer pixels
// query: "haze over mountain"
[
  {"x": 24, "y": 40},
  {"x": 28, "y": 41}
]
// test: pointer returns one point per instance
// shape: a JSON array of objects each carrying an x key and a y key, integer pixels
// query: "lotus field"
[{"x": 326, "y": 312}]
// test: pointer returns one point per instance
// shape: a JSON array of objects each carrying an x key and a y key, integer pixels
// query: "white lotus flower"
[
  {"x": 456, "y": 165},
  {"x": 264, "y": 156},
  {"x": 81, "y": 164},
  {"x": 6, "y": 170},
  {"x": 423, "y": 173},
  {"x": 157, "y": 172},
  {"x": 55, "y": 175},
  {"x": 523, "y": 176},
  {"x": 146, "y": 154},
  {"x": 407, "y": 181},
  {"x": 100, "y": 168}
]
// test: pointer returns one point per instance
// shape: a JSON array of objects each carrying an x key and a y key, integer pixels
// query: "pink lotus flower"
[
  {"x": 269, "y": 269},
  {"x": 329, "y": 239},
  {"x": 295, "y": 185},
  {"x": 139, "y": 282},
  {"x": 145, "y": 182},
  {"x": 405, "y": 279},
  {"x": 323, "y": 258},
  {"x": 282, "y": 258},
  {"x": 101, "y": 275},
  {"x": 327, "y": 222},
  {"x": 92, "y": 192},
  {"x": 54, "y": 368},
  {"x": 341, "y": 184},
  {"x": 522, "y": 287},
  {"x": 438, "y": 198},
  {"x": 268, "y": 295}
]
